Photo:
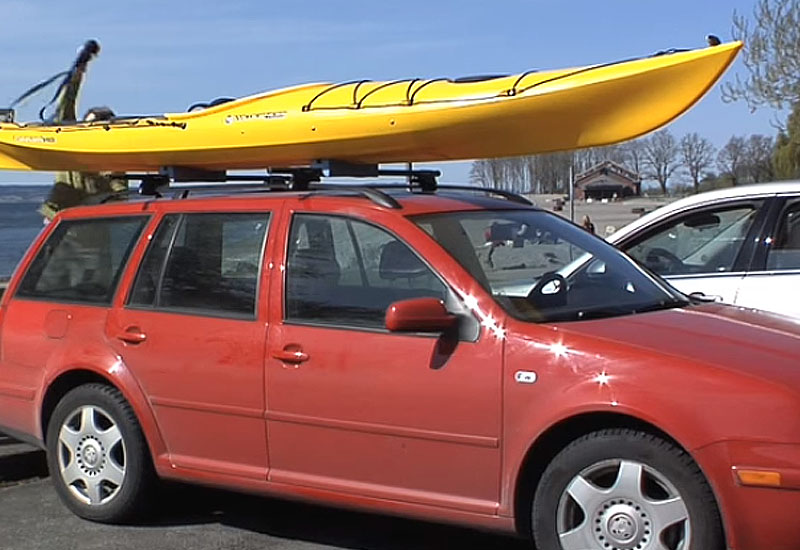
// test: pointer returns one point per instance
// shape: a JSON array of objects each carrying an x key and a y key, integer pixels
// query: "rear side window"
[
  {"x": 204, "y": 264},
  {"x": 82, "y": 260}
]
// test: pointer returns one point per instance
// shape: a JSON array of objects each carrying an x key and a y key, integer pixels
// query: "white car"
[{"x": 739, "y": 245}]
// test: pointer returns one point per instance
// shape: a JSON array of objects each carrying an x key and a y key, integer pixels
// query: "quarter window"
[
  {"x": 203, "y": 263},
  {"x": 346, "y": 272},
  {"x": 784, "y": 253},
  {"x": 82, "y": 260},
  {"x": 708, "y": 241}
]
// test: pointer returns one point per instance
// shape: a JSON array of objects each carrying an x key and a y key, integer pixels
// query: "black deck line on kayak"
[
  {"x": 116, "y": 123},
  {"x": 426, "y": 83},
  {"x": 512, "y": 91},
  {"x": 360, "y": 102},
  {"x": 515, "y": 91},
  {"x": 307, "y": 107},
  {"x": 355, "y": 91}
]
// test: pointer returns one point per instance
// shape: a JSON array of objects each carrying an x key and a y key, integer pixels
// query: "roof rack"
[{"x": 306, "y": 178}]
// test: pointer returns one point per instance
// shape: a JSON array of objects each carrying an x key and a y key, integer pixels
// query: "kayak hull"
[{"x": 382, "y": 122}]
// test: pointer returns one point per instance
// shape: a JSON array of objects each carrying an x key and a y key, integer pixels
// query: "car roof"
[
  {"x": 707, "y": 198},
  {"x": 411, "y": 203}
]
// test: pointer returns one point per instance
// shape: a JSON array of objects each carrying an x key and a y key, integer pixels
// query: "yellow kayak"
[{"x": 380, "y": 122}]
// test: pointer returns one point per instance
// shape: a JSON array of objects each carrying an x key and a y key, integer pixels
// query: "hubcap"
[
  {"x": 620, "y": 525},
  {"x": 91, "y": 455},
  {"x": 622, "y": 505}
]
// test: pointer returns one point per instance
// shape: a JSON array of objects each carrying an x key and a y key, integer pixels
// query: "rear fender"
[{"x": 66, "y": 370}]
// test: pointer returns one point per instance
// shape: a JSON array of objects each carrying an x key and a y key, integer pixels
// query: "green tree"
[
  {"x": 786, "y": 156},
  {"x": 771, "y": 55}
]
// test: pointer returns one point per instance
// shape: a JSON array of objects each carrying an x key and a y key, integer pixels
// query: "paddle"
[{"x": 73, "y": 76}]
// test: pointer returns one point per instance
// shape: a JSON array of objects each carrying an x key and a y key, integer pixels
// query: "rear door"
[
  {"x": 62, "y": 303},
  {"x": 190, "y": 332},
  {"x": 773, "y": 281}
]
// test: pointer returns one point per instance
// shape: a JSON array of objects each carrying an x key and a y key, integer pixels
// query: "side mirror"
[{"x": 419, "y": 315}]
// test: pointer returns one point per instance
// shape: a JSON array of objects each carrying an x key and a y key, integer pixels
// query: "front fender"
[{"x": 693, "y": 403}]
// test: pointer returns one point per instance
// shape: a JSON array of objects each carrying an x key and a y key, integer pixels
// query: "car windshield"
[{"x": 542, "y": 268}]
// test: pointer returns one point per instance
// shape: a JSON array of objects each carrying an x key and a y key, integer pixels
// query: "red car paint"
[{"x": 393, "y": 422}]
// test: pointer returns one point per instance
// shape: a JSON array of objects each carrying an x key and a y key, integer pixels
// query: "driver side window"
[
  {"x": 342, "y": 271},
  {"x": 708, "y": 241}
]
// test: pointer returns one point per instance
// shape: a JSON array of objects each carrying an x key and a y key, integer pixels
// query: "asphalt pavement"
[{"x": 32, "y": 518}]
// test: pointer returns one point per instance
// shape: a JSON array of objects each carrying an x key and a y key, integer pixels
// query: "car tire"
[
  {"x": 98, "y": 457},
  {"x": 624, "y": 489}
]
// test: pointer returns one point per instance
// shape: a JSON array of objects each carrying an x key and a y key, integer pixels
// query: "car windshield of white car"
[{"x": 541, "y": 268}]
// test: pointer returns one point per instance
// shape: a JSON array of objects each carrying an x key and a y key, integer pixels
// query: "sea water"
[{"x": 20, "y": 222}]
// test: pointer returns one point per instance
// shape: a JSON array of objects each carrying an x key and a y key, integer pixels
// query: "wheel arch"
[
  {"x": 62, "y": 385},
  {"x": 550, "y": 442},
  {"x": 70, "y": 379}
]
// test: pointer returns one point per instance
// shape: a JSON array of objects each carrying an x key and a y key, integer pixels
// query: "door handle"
[
  {"x": 703, "y": 297},
  {"x": 132, "y": 335},
  {"x": 291, "y": 354}
]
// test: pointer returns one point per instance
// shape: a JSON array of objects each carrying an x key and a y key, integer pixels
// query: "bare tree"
[
  {"x": 546, "y": 173},
  {"x": 633, "y": 155},
  {"x": 771, "y": 55},
  {"x": 660, "y": 157},
  {"x": 731, "y": 159},
  {"x": 552, "y": 171},
  {"x": 758, "y": 158},
  {"x": 584, "y": 159},
  {"x": 697, "y": 154},
  {"x": 488, "y": 172}
]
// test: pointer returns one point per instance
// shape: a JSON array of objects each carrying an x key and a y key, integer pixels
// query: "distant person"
[
  {"x": 72, "y": 188},
  {"x": 587, "y": 224}
]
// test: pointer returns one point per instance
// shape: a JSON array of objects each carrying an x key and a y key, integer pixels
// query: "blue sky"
[{"x": 162, "y": 56}]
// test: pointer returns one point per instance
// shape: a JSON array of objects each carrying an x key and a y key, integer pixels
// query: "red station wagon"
[{"x": 450, "y": 355}]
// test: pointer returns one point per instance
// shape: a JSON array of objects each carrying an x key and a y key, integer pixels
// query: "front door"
[
  {"x": 355, "y": 408},
  {"x": 190, "y": 333},
  {"x": 705, "y": 251}
]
